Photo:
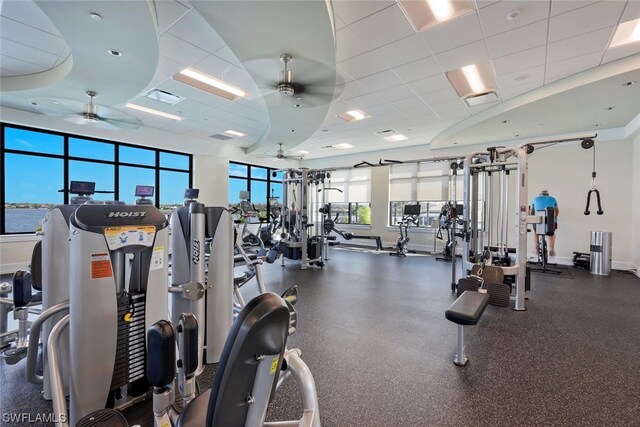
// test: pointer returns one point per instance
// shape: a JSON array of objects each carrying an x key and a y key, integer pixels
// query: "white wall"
[{"x": 564, "y": 170}]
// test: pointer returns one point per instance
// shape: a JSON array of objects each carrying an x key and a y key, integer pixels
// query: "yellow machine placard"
[{"x": 118, "y": 237}]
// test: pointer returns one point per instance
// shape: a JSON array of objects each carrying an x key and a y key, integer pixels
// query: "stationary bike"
[{"x": 410, "y": 216}]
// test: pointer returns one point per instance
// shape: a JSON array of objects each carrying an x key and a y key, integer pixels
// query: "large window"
[
  {"x": 258, "y": 181},
  {"x": 349, "y": 192},
  {"x": 37, "y": 167},
  {"x": 429, "y": 184}
]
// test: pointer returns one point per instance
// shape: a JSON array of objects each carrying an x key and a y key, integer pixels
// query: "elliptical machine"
[{"x": 410, "y": 216}]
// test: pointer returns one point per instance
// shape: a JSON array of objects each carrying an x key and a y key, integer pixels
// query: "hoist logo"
[
  {"x": 126, "y": 214},
  {"x": 196, "y": 251}
]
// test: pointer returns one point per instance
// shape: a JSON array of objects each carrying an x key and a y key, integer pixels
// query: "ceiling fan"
[
  {"x": 281, "y": 155},
  {"x": 80, "y": 113}
]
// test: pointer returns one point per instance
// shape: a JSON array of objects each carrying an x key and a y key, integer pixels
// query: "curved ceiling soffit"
[
  {"x": 129, "y": 27},
  {"x": 258, "y": 32},
  {"x": 630, "y": 63}
]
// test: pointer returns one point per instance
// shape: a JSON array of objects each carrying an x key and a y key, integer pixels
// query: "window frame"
[
  {"x": 66, "y": 158},
  {"x": 270, "y": 179}
]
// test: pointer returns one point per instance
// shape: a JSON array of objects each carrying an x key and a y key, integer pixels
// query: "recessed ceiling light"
[
  {"x": 353, "y": 115},
  {"x": 626, "y": 33},
  {"x": 209, "y": 84},
  {"x": 610, "y": 108},
  {"x": 235, "y": 133},
  {"x": 424, "y": 14},
  {"x": 95, "y": 16},
  {"x": 114, "y": 52},
  {"x": 514, "y": 14},
  {"x": 631, "y": 83},
  {"x": 474, "y": 79},
  {"x": 154, "y": 112},
  {"x": 303, "y": 152},
  {"x": 343, "y": 146},
  {"x": 395, "y": 138}
]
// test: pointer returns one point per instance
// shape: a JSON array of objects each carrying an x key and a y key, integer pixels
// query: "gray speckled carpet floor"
[{"x": 373, "y": 332}]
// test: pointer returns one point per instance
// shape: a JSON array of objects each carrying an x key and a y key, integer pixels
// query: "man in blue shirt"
[{"x": 542, "y": 202}]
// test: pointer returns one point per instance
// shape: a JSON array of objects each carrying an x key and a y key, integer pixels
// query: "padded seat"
[
  {"x": 467, "y": 309},
  {"x": 195, "y": 413}
]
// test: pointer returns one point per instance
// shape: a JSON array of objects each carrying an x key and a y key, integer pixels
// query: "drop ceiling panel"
[
  {"x": 562, "y": 6},
  {"x": 395, "y": 93},
  {"x": 351, "y": 11},
  {"x": 595, "y": 41},
  {"x": 169, "y": 12},
  {"x": 417, "y": 70},
  {"x": 27, "y": 54},
  {"x": 523, "y": 38},
  {"x": 586, "y": 19},
  {"x": 520, "y": 60},
  {"x": 573, "y": 65},
  {"x": 533, "y": 75},
  {"x": 26, "y": 35},
  {"x": 455, "y": 33},
  {"x": 28, "y": 13},
  {"x": 472, "y": 53},
  {"x": 494, "y": 18},
  {"x": 383, "y": 27},
  {"x": 195, "y": 30},
  {"x": 403, "y": 51},
  {"x": 430, "y": 84},
  {"x": 621, "y": 52},
  {"x": 15, "y": 67},
  {"x": 180, "y": 51},
  {"x": 380, "y": 81},
  {"x": 348, "y": 44},
  {"x": 362, "y": 65}
]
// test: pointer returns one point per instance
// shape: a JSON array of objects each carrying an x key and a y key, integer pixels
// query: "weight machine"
[{"x": 503, "y": 163}]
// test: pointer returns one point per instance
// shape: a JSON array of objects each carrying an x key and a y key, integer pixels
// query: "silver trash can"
[{"x": 601, "y": 252}]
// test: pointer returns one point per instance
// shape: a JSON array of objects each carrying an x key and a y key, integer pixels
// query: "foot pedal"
[{"x": 103, "y": 418}]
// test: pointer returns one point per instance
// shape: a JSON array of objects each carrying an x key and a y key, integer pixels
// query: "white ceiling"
[{"x": 383, "y": 66}]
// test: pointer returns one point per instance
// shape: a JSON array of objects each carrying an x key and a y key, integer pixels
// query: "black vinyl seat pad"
[{"x": 467, "y": 309}]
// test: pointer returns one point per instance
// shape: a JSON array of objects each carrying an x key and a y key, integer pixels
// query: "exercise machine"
[
  {"x": 142, "y": 192},
  {"x": 201, "y": 279},
  {"x": 410, "y": 216},
  {"x": 117, "y": 290}
]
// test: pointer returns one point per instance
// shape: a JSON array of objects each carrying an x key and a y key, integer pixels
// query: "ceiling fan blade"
[{"x": 57, "y": 106}]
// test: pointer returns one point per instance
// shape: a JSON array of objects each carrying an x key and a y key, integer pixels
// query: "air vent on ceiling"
[
  {"x": 220, "y": 137},
  {"x": 164, "y": 96},
  {"x": 480, "y": 99}
]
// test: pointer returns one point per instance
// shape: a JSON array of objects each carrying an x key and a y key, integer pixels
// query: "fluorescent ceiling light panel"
[
  {"x": 152, "y": 111},
  {"x": 209, "y": 84},
  {"x": 235, "y": 133},
  {"x": 427, "y": 13},
  {"x": 353, "y": 116},
  {"x": 441, "y": 9},
  {"x": 471, "y": 80},
  {"x": 627, "y": 32},
  {"x": 394, "y": 138},
  {"x": 343, "y": 146}
]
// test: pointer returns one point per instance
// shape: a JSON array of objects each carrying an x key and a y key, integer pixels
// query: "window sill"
[{"x": 13, "y": 238}]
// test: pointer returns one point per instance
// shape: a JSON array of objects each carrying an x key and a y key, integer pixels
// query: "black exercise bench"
[{"x": 466, "y": 311}]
